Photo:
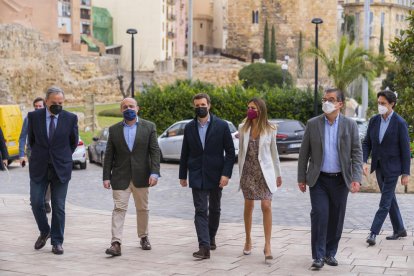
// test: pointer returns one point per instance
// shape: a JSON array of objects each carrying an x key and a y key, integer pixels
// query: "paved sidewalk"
[{"x": 173, "y": 240}]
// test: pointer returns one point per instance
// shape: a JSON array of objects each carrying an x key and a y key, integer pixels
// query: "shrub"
[
  {"x": 113, "y": 112},
  {"x": 173, "y": 103},
  {"x": 259, "y": 75}
]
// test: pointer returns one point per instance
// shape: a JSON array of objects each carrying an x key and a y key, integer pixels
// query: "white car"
[
  {"x": 79, "y": 156},
  {"x": 171, "y": 140}
]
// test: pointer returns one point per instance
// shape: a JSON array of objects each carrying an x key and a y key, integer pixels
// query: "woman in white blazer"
[{"x": 259, "y": 169}]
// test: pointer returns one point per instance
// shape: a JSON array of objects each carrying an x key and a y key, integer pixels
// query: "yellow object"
[{"x": 11, "y": 122}]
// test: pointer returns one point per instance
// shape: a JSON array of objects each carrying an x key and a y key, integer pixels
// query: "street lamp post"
[
  {"x": 284, "y": 71},
  {"x": 316, "y": 21},
  {"x": 132, "y": 32}
]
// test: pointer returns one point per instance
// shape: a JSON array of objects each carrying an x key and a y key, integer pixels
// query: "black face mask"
[
  {"x": 55, "y": 109},
  {"x": 201, "y": 112}
]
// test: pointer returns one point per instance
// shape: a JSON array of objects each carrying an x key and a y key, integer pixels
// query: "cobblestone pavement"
[{"x": 169, "y": 199}]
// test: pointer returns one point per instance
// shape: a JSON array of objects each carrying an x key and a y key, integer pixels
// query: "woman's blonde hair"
[{"x": 262, "y": 120}]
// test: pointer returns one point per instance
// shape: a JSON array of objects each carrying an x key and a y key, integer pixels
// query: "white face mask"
[
  {"x": 382, "y": 109},
  {"x": 328, "y": 107}
]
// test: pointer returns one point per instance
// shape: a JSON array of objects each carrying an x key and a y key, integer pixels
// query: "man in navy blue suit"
[
  {"x": 206, "y": 139},
  {"x": 53, "y": 137},
  {"x": 388, "y": 143}
]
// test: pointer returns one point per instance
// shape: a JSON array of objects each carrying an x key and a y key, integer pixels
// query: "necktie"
[{"x": 52, "y": 128}]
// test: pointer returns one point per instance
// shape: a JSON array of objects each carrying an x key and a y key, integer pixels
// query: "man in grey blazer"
[
  {"x": 330, "y": 163},
  {"x": 132, "y": 165}
]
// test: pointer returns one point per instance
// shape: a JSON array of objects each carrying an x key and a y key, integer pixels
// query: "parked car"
[
  {"x": 171, "y": 140},
  {"x": 79, "y": 156},
  {"x": 289, "y": 135},
  {"x": 362, "y": 127},
  {"x": 96, "y": 150}
]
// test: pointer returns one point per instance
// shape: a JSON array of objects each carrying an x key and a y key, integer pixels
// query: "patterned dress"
[{"x": 252, "y": 181}]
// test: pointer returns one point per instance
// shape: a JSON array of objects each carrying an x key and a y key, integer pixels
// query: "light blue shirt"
[
  {"x": 330, "y": 161},
  {"x": 48, "y": 114},
  {"x": 202, "y": 131},
  {"x": 384, "y": 125},
  {"x": 130, "y": 133}
]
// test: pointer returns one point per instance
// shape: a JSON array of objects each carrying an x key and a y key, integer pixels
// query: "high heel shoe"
[
  {"x": 247, "y": 252},
  {"x": 268, "y": 257}
]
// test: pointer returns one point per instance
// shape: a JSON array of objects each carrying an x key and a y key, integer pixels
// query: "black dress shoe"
[
  {"x": 213, "y": 245},
  {"x": 114, "y": 250},
  {"x": 371, "y": 239},
  {"x": 41, "y": 241},
  {"x": 202, "y": 253},
  {"x": 331, "y": 261},
  {"x": 47, "y": 207},
  {"x": 317, "y": 263},
  {"x": 57, "y": 249},
  {"x": 398, "y": 235},
  {"x": 145, "y": 244}
]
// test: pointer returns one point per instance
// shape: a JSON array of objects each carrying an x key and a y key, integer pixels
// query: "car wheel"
[
  {"x": 82, "y": 165},
  {"x": 90, "y": 157}
]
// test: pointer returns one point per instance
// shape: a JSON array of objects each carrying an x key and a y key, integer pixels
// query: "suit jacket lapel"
[
  {"x": 44, "y": 126},
  {"x": 58, "y": 125},
  {"x": 377, "y": 129},
  {"x": 340, "y": 131},
  {"x": 209, "y": 129},
  {"x": 138, "y": 132},
  {"x": 321, "y": 126},
  {"x": 390, "y": 125},
  {"x": 246, "y": 139},
  {"x": 194, "y": 130},
  {"x": 120, "y": 132}
]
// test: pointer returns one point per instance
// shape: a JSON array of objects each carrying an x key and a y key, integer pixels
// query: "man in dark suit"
[
  {"x": 132, "y": 165},
  {"x": 53, "y": 137},
  {"x": 388, "y": 143},
  {"x": 206, "y": 139},
  {"x": 3, "y": 152},
  {"x": 330, "y": 163}
]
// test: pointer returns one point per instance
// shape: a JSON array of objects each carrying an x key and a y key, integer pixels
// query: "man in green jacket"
[{"x": 132, "y": 165}]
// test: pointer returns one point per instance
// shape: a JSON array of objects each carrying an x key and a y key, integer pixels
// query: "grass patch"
[{"x": 98, "y": 107}]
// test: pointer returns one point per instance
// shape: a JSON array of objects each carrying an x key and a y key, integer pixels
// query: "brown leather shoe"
[
  {"x": 202, "y": 253},
  {"x": 57, "y": 249},
  {"x": 41, "y": 241},
  {"x": 145, "y": 244},
  {"x": 114, "y": 250}
]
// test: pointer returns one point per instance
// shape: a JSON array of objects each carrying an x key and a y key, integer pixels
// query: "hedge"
[
  {"x": 165, "y": 106},
  {"x": 259, "y": 75}
]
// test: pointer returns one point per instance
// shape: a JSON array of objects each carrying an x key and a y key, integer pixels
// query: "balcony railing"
[
  {"x": 171, "y": 35},
  {"x": 171, "y": 17},
  {"x": 171, "y": 2}
]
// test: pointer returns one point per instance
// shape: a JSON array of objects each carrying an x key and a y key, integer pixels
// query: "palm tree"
[{"x": 347, "y": 63}]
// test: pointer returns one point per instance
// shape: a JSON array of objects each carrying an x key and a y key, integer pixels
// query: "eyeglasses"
[{"x": 331, "y": 100}]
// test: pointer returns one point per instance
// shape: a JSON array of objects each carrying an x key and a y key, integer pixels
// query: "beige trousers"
[{"x": 121, "y": 199}]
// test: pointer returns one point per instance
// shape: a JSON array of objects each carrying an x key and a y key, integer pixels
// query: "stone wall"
[
  {"x": 370, "y": 184},
  {"x": 29, "y": 64}
]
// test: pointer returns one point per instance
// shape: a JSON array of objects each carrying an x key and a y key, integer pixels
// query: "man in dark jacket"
[{"x": 206, "y": 139}]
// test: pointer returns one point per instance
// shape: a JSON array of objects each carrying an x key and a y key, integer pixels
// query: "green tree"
[
  {"x": 260, "y": 75},
  {"x": 273, "y": 46},
  {"x": 300, "y": 57},
  {"x": 402, "y": 48},
  {"x": 266, "y": 50},
  {"x": 347, "y": 63},
  {"x": 381, "y": 45}
]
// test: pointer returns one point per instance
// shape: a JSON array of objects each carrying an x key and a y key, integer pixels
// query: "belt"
[{"x": 331, "y": 174}]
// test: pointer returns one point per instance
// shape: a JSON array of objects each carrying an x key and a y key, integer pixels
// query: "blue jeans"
[
  {"x": 207, "y": 214},
  {"x": 328, "y": 200},
  {"x": 388, "y": 204},
  {"x": 58, "y": 198}
]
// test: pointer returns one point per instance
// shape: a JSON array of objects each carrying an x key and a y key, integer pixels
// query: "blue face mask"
[{"x": 129, "y": 114}]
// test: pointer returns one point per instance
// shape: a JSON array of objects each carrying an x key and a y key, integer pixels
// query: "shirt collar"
[
  {"x": 48, "y": 114},
  {"x": 335, "y": 122},
  {"x": 388, "y": 118},
  {"x": 208, "y": 121},
  {"x": 126, "y": 125}
]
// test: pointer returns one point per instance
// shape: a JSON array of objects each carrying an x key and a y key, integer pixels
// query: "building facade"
[
  {"x": 388, "y": 15},
  {"x": 246, "y": 21},
  {"x": 40, "y": 15}
]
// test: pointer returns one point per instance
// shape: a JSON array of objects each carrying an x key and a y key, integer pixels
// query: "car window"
[
  {"x": 290, "y": 126},
  {"x": 104, "y": 134},
  {"x": 232, "y": 127},
  {"x": 176, "y": 130}
]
